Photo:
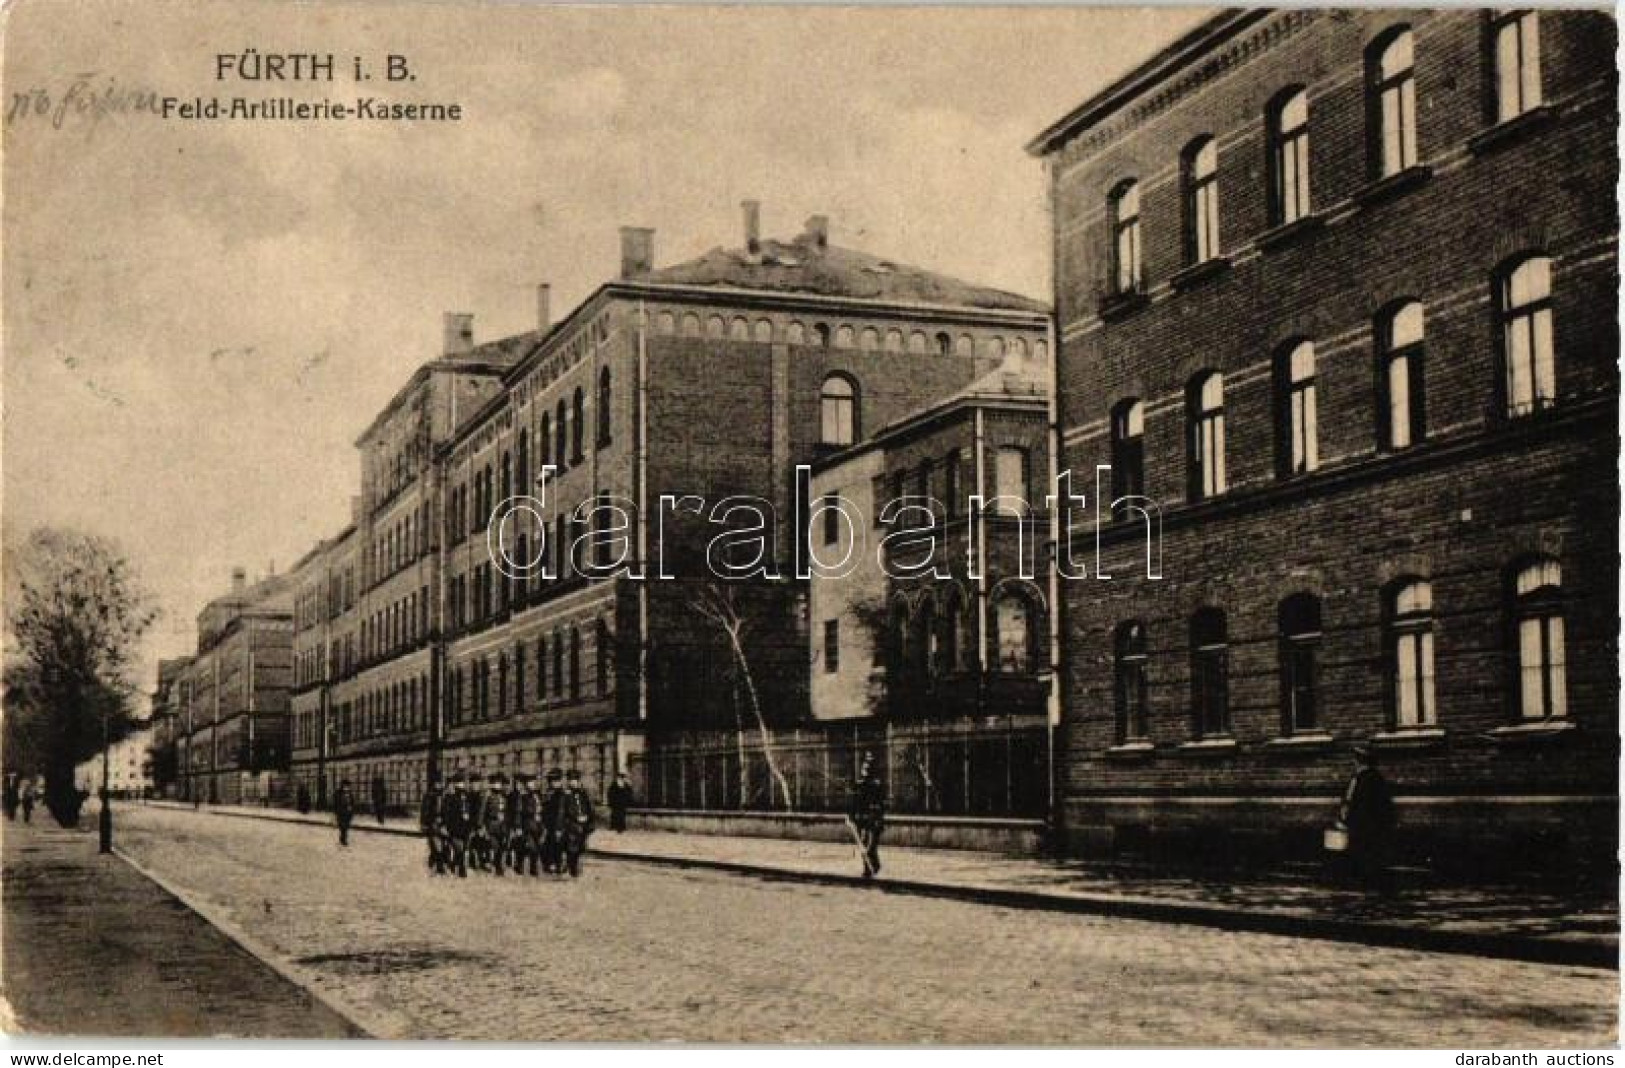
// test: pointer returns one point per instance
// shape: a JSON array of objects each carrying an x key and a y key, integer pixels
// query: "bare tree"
[{"x": 718, "y": 602}]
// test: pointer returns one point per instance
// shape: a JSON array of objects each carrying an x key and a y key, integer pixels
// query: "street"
[{"x": 636, "y": 952}]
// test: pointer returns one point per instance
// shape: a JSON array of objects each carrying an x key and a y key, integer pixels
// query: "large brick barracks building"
[
  {"x": 1336, "y": 290},
  {"x": 413, "y": 652}
]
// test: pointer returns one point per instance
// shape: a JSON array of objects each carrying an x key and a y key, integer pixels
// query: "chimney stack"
[
  {"x": 459, "y": 333},
  {"x": 753, "y": 225},
  {"x": 818, "y": 231},
  {"x": 239, "y": 580},
  {"x": 637, "y": 251},
  {"x": 544, "y": 307}
]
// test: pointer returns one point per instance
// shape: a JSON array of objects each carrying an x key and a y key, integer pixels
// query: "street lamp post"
[{"x": 106, "y": 826}]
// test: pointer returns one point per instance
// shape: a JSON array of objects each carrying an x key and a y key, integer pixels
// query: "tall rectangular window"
[
  {"x": 1410, "y": 645},
  {"x": 1289, "y": 156},
  {"x": 1210, "y": 674},
  {"x": 1201, "y": 200},
  {"x": 1299, "y": 419},
  {"x": 1402, "y": 408},
  {"x": 1393, "y": 102},
  {"x": 1526, "y": 335},
  {"x": 1125, "y": 216},
  {"x": 1205, "y": 405},
  {"x": 1128, "y": 449},
  {"x": 1517, "y": 63},
  {"x": 832, "y": 646}
]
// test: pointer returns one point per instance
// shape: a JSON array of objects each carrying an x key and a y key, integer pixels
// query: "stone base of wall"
[
  {"x": 936, "y": 832},
  {"x": 1485, "y": 837}
]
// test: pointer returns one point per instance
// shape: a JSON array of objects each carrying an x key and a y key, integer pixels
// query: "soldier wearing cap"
[
  {"x": 512, "y": 838},
  {"x": 574, "y": 823},
  {"x": 456, "y": 820},
  {"x": 433, "y": 830},
  {"x": 551, "y": 803},
  {"x": 869, "y": 814},
  {"x": 495, "y": 817},
  {"x": 532, "y": 830}
]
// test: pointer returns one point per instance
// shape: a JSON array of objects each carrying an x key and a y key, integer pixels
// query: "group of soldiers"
[{"x": 508, "y": 825}]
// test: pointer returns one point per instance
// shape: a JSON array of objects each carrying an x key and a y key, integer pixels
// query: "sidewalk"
[
  {"x": 1519, "y": 923},
  {"x": 92, "y": 947}
]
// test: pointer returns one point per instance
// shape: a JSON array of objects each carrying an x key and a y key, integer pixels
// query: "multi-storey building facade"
[
  {"x": 166, "y": 733},
  {"x": 1335, "y": 291},
  {"x": 230, "y": 700},
  {"x": 707, "y": 383}
]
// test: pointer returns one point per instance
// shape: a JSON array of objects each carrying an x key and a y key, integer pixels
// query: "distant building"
[
  {"x": 1336, "y": 292},
  {"x": 129, "y": 768}
]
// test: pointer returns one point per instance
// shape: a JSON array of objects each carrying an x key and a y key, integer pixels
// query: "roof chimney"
[
  {"x": 544, "y": 307},
  {"x": 753, "y": 225},
  {"x": 239, "y": 580},
  {"x": 818, "y": 231},
  {"x": 637, "y": 251},
  {"x": 459, "y": 333}
]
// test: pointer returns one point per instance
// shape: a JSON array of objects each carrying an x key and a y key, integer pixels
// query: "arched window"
[
  {"x": 485, "y": 688},
  {"x": 1289, "y": 157},
  {"x": 894, "y": 340},
  {"x": 1402, "y": 420},
  {"x": 558, "y": 664},
  {"x": 561, "y": 436},
  {"x": 666, "y": 323},
  {"x": 869, "y": 340},
  {"x": 917, "y": 343},
  {"x": 1410, "y": 654},
  {"x": 1525, "y": 305},
  {"x": 838, "y": 402},
  {"x": 1537, "y": 618},
  {"x": 544, "y": 439},
  {"x": 1299, "y": 629},
  {"x": 1015, "y": 625},
  {"x": 502, "y": 685},
  {"x": 541, "y": 669},
  {"x": 945, "y": 344},
  {"x": 519, "y": 679},
  {"x": 762, "y": 332},
  {"x": 575, "y": 664},
  {"x": 1201, "y": 167},
  {"x": 1210, "y": 674},
  {"x": 739, "y": 329},
  {"x": 691, "y": 324},
  {"x": 964, "y": 345},
  {"x": 1124, "y": 210},
  {"x": 601, "y": 658},
  {"x": 1516, "y": 37},
  {"x": 843, "y": 337},
  {"x": 1205, "y": 416},
  {"x": 578, "y": 425},
  {"x": 1298, "y": 449},
  {"x": 821, "y": 335},
  {"x": 1128, "y": 449},
  {"x": 1130, "y": 689},
  {"x": 1391, "y": 74},
  {"x": 604, "y": 396},
  {"x": 795, "y": 333},
  {"x": 522, "y": 468},
  {"x": 716, "y": 327}
]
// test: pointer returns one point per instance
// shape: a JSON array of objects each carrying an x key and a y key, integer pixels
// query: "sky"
[{"x": 198, "y": 318}]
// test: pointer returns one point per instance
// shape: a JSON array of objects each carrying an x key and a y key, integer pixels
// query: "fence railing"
[{"x": 990, "y": 768}]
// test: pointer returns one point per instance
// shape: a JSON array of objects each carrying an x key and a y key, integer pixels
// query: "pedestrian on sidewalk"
[
  {"x": 620, "y": 799},
  {"x": 12, "y": 797},
  {"x": 302, "y": 801},
  {"x": 869, "y": 814},
  {"x": 380, "y": 798},
  {"x": 344, "y": 812},
  {"x": 1368, "y": 815},
  {"x": 28, "y": 801}
]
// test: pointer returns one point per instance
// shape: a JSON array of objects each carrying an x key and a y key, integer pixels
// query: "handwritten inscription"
[{"x": 88, "y": 96}]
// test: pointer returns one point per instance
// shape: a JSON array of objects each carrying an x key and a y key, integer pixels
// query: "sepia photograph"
[{"x": 809, "y": 525}]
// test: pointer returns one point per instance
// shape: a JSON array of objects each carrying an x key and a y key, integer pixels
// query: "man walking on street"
[
  {"x": 1368, "y": 814},
  {"x": 575, "y": 822},
  {"x": 551, "y": 804},
  {"x": 380, "y": 797},
  {"x": 869, "y": 814},
  {"x": 429, "y": 822},
  {"x": 344, "y": 812},
  {"x": 28, "y": 801},
  {"x": 495, "y": 814},
  {"x": 532, "y": 831},
  {"x": 456, "y": 821}
]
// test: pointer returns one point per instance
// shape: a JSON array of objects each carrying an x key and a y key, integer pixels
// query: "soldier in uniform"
[
  {"x": 456, "y": 819},
  {"x": 513, "y": 839},
  {"x": 532, "y": 830},
  {"x": 550, "y": 820},
  {"x": 495, "y": 817},
  {"x": 433, "y": 829},
  {"x": 869, "y": 814},
  {"x": 575, "y": 823},
  {"x": 344, "y": 812}
]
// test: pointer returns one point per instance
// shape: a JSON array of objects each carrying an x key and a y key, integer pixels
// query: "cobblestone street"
[{"x": 638, "y": 952}]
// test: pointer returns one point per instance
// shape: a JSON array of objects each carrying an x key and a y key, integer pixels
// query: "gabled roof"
[{"x": 807, "y": 266}]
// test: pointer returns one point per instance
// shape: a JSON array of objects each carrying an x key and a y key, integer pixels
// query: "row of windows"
[
  {"x": 406, "y": 541},
  {"x": 1391, "y": 140},
  {"x": 1523, "y": 310},
  {"x": 559, "y": 442},
  {"x": 844, "y": 336},
  {"x": 487, "y": 687},
  {"x": 1535, "y": 648}
]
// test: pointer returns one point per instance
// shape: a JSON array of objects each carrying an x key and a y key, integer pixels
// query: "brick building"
[
  {"x": 229, "y": 702},
  {"x": 706, "y": 382},
  {"x": 1335, "y": 291}
]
